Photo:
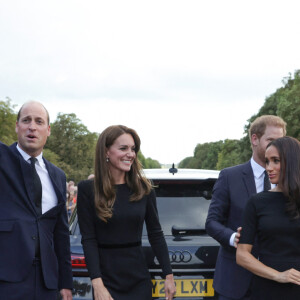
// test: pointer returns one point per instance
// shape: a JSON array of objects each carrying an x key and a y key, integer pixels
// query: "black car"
[{"x": 183, "y": 198}]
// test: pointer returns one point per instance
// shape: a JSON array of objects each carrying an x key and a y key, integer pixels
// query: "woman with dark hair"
[
  {"x": 111, "y": 211},
  {"x": 273, "y": 218}
]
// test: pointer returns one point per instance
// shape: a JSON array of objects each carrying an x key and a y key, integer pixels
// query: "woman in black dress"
[
  {"x": 273, "y": 218},
  {"x": 111, "y": 211}
]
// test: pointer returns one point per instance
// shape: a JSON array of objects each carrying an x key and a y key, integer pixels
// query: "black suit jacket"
[
  {"x": 231, "y": 192},
  {"x": 20, "y": 224}
]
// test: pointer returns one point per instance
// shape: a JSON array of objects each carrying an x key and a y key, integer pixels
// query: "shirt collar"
[
  {"x": 258, "y": 170},
  {"x": 26, "y": 156}
]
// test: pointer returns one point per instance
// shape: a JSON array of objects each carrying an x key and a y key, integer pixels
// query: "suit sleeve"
[
  {"x": 219, "y": 210},
  {"x": 86, "y": 212},
  {"x": 62, "y": 247},
  {"x": 156, "y": 236}
]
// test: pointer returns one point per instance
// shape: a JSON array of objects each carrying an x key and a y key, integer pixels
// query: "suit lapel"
[
  {"x": 27, "y": 178},
  {"x": 248, "y": 178},
  {"x": 54, "y": 179}
]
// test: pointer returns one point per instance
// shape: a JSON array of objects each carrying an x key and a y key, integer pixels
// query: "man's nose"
[{"x": 32, "y": 125}]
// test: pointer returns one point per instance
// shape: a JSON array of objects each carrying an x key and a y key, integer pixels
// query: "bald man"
[{"x": 34, "y": 237}]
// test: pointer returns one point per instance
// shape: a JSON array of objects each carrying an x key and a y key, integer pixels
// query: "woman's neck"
[
  {"x": 276, "y": 189},
  {"x": 118, "y": 177}
]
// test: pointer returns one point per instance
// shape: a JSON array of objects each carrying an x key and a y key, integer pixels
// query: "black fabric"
[
  {"x": 31, "y": 288},
  {"x": 123, "y": 270},
  {"x": 37, "y": 186},
  {"x": 37, "y": 201},
  {"x": 267, "y": 184},
  {"x": 279, "y": 244}
]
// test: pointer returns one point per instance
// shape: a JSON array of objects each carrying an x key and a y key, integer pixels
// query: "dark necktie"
[
  {"x": 37, "y": 185},
  {"x": 267, "y": 184}
]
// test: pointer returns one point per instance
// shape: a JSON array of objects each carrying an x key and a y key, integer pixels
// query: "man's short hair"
[
  {"x": 20, "y": 110},
  {"x": 258, "y": 126}
]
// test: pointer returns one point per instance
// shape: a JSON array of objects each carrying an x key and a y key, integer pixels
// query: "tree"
[
  {"x": 74, "y": 144},
  {"x": 7, "y": 122},
  {"x": 152, "y": 163},
  {"x": 230, "y": 154},
  {"x": 207, "y": 155},
  {"x": 289, "y": 105},
  {"x": 148, "y": 163}
]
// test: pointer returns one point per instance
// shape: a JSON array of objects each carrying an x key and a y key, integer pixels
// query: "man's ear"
[
  {"x": 254, "y": 139},
  {"x": 49, "y": 130}
]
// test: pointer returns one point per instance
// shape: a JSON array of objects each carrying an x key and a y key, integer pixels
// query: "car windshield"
[{"x": 183, "y": 204}]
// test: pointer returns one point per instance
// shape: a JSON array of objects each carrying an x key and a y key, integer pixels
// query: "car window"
[{"x": 183, "y": 204}]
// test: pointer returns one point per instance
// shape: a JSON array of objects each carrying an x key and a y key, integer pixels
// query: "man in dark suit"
[
  {"x": 34, "y": 238},
  {"x": 232, "y": 190}
]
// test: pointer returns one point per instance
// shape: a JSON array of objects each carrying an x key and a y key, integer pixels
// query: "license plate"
[{"x": 185, "y": 288}]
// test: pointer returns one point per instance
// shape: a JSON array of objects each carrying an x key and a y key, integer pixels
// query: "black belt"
[{"x": 127, "y": 245}]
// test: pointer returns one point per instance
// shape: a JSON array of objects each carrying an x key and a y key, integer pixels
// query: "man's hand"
[
  {"x": 237, "y": 237},
  {"x": 66, "y": 294}
]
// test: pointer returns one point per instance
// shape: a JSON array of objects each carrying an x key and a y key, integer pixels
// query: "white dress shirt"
[
  {"x": 49, "y": 198},
  {"x": 259, "y": 177}
]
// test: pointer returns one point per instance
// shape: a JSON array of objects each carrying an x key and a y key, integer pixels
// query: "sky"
[{"x": 178, "y": 72}]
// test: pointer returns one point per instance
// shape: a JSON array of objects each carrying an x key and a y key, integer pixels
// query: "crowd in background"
[{"x": 71, "y": 198}]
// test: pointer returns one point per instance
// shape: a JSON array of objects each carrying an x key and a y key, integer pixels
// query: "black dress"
[
  {"x": 112, "y": 250},
  {"x": 279, "y": 243}
]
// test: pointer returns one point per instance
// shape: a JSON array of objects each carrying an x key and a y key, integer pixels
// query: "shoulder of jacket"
[{"x": 236, "y": 168}]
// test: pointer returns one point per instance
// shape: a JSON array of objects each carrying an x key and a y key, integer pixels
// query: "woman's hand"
[
  {"x": 290, "y": 275},
  {"x": 100, "y": 291},
  {"x": 170, "y": 288}
]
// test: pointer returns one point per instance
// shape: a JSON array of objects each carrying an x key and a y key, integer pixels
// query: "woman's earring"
[{"x": 107, "y": 159}]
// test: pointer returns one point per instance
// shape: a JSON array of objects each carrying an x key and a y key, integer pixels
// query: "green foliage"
[
  {"x": 284, "y": 102},
  {"x": 71, "y": 146},
  {"x": 148, "y": 163},
  {"x": 230, "y": 154},
  {"x": 74, "y": 144},
  {"x": 7, "y": 122},
  {"x": 214, "y": 156},
  {"x": 207, "y": 155},
  {"x": 187, "y": 163},
  {"x": 289, "y": 105},
  {"x": 152, "y": 163}
]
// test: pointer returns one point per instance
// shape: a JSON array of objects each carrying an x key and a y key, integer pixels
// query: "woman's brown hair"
[
  {"x": 105, "y": 193},
  {"x": 289, "y": 179}
]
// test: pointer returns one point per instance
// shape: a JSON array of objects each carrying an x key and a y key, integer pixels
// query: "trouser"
[{"x": 32, "y": 288}]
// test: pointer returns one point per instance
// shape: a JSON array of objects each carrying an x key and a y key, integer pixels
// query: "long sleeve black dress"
[
  {"x": 113, "y": 250},
  {"x": 279, "y": 243}
]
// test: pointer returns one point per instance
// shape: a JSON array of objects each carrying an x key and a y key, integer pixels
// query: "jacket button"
[{"x": 33, "y": 237}]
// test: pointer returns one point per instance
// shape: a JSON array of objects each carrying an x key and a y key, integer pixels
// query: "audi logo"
[{"x": 180, "y": 256}]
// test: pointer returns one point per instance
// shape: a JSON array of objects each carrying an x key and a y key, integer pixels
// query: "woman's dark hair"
[
  {"x": 289, "y": 179},
  {"x": 105, "y": 193}
]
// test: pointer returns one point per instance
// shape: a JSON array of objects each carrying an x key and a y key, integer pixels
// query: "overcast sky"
[{"x": 179, "y": 72}]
